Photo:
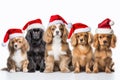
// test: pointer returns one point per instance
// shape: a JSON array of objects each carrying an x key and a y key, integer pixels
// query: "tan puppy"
[
  {"x": 104, "y": 40},
  {"x": 81, "y": 41},
  {"x": 103, "y": 53}
]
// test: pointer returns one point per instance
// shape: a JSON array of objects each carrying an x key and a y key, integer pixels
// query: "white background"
[{"x": 15, "y": 13}]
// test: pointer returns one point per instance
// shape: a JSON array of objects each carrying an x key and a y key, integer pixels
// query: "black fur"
[{"x": 37, "y": 50}]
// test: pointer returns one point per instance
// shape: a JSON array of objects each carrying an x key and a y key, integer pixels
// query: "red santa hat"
[
  {"x": 37, "y": 23},
  {"x": 105, "y": 27},
  {"x": 57, "y": 19},
  {"x": 78, "y": 27},
  {"x": 10, "y": 34}
]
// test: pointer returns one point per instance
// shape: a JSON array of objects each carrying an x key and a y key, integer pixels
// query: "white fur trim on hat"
[
  {"x": 55, "y": 22},
  {"x": 35, "y": 25},
  {"x": 11, "y": 36},
  {"x": 82, "y": 30},
  {"x": 104, "y": 31}
]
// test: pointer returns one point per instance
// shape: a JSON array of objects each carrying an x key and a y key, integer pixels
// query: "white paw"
[
  {"x": 12, "y": 70},
  {"x": 25, "y": 70}
]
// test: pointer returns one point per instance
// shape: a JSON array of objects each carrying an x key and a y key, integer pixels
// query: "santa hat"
[
  {"x": 37, "y": 23},
  {"x": 78, "y": 27},
  {"x": 105, "y": 27},
  {"x": 57, "y": 19},
  {"x": 10, "y": 34}
]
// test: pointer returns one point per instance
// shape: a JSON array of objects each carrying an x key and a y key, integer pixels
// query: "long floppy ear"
[
  {"x": 113, "y": 41},
  {"x": 74, "y": 40},
  {"x": 90, "y": 38},
  {"x": 95, "y": 41},
  {"x": 48, "y": 35},
  {"x": 29, "y": 36},
  {"x": 65, "y": 35},
  {"x": 25, "y": 46},
  {"x": 10, "y": 46}
]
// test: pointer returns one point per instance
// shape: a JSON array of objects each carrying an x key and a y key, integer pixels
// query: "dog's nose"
[
  {"x": 81, "y": 40},
  {"x": 104, "y": 41},
  {"x": 57, "y": 32},
  {"x": 15, "y": 45}
]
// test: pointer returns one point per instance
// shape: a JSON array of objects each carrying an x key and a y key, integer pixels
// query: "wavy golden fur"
[
  {"x": 103, "y": 53},
  {"x": 82, "y": 51},
  {"x": 15, "y": 44}
]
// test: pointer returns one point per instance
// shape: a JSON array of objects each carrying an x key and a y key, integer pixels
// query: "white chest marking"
[
  {"x": 17, "y": 57},
  {"x": 56, "y": 48}
]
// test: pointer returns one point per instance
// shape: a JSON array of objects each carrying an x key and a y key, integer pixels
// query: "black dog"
[{"x": 37, "y": 50}]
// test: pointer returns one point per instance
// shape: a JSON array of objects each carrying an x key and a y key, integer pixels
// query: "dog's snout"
[
  {"x": 15, "y": 45},
  {"x": 57, "y": 32},
  {"x": 104, "y": 41},
  {"x": 81, "y": 40}
]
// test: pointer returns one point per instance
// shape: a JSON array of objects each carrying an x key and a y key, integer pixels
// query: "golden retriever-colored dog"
[
  {"x": 58, "y": 54},
  {"x": 17, "y": 60},
  {"x": 82, "y": 51},
  {"x": 103, "y": 53}
]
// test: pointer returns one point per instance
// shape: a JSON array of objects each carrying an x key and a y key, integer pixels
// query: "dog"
[
  {"x": 37, "y": 50},
  {"x": 18, "y": 60},
  {"x": 103, "y": 53},
  {"x": 82, "y": 51},
  {"x": 58, "y": 54}
]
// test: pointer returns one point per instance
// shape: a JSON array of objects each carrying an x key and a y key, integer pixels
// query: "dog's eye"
[
  {"x": 78, "y": 36},
  {"x": 53, "y": 29},
  {"x": 100, "y": 37},
  {"x": 61, "y": 29},
  {"x": 85, "y": 35},
  {"x": 108, "y": 36},
  {"x": 20, "y": 41}
]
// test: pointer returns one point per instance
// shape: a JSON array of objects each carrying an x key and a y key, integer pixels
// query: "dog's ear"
[
  {"x": 29, "y": 36},
  {"x": 95, "y": 41},
  {"x": 90, "y": 38},
  {"x": 113, "y": 41},
  {"x": 74, "y": 40},
  {"x": 65, "y": 35},
  {"x": 25, "y": 46},
  {"x": 10, "y": 46},
  {"x": 48, "y": 35}
]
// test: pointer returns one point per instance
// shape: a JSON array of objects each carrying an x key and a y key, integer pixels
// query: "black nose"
[
  {"x": 104, "y": 41},
  {"x": 81, "y": 40},
  {"x": 57, "y": 32},
  {"x": 15, "y": 45}
]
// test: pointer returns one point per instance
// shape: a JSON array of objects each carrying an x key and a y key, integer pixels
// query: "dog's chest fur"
[
  {"x": 18, "y": 58},
  {"x": 56, "y": 48}
]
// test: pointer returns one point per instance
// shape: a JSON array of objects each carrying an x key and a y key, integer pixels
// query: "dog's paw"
[
  {"x": 48, "y": 71},
  {"x": 12, "y": 70},
  {"x": 88, "y": 71},
  {"x": 95, "y": 71},
  {"x": 25, "y": 70},
  {"x": 107, "y": 70},
  {"x": 76, "y": 70},
  {"x": 66, "y": 70}
]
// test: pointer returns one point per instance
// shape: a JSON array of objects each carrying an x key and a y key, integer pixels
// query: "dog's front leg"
[
  {"x": 11, "y": 65},
  {"x": 25, "y": 65},
  {"x": 65, "y": 60},
  {"x": 49, "y": 64}
]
